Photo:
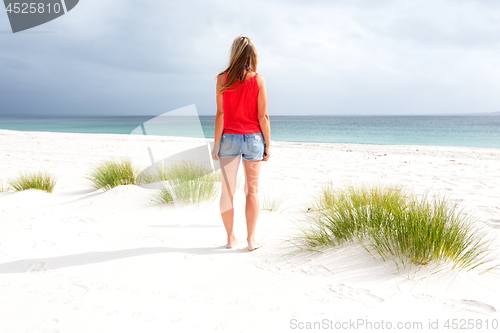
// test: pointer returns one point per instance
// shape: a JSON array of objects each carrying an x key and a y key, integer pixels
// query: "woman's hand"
[
  {"x": 215, "y": 151},
  {"x": 267, "y": 153}
]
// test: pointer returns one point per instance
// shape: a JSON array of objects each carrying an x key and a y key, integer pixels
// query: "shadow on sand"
[{"x": 42, "y": 264}]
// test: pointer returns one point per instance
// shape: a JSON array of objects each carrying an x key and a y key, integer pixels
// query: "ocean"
[{"x": 466, "y": 131}]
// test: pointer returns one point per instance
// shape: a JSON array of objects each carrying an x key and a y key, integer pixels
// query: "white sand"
[{"x": 80, "y": 260}]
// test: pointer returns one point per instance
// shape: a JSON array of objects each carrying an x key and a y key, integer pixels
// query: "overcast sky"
[{"x": 123, "y": 57}]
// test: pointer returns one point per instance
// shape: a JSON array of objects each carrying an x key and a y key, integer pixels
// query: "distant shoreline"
[
  {"x": 276, "y": 143},
  {"x": 453, "y": 131},
  {"x": 6, "y": 116}
]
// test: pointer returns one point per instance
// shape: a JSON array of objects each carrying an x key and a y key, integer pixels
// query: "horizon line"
[{"x": 270, "y": 115}]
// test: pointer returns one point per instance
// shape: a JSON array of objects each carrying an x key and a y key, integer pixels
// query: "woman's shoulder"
[
  {"x": 260, "y": 79},
  {"x": 221, "y": 78}
]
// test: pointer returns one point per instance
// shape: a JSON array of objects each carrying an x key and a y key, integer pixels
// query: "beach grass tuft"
[
  {"x": 396, "y": 225},
  {"x": 111, "y": 173},
  {"x": 270, "y": 204},
  {"x": 42, "y": 181},
  {"x": 184, "y": 182},
  {"x": 3, "y": 187}
]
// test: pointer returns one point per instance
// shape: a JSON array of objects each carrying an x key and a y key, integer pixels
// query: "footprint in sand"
[
  {"x": 268, "y": 266},
  {"x": 36, "y": 267},
  {"x": 75, "y": 290},
  {"x": 460, "y": 304},
  {"x": 358, "y": 295},
  {"x": 314, "y": 270},
  {"x": 48, "y": 326}
]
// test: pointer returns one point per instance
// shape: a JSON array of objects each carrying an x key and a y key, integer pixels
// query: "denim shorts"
[{"x": 249, "y": 146}]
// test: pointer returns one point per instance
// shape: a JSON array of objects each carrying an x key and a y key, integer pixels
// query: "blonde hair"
[{"x": 243, "y": 53}]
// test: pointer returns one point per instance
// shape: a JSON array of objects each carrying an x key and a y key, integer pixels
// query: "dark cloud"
[{"x": 320, "y": 57}]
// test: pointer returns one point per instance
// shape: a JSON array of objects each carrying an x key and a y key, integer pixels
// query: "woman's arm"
[
  {"x": 265, "y": 125},
  {"x": 219, "y": 120}
]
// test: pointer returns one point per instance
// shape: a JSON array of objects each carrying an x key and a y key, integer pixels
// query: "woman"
[{"x": 242, "y": 129}]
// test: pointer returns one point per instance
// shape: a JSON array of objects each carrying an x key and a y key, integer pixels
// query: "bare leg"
[
  {"x": 252, "y": 173},
  {"x": 229, "y": 172}
]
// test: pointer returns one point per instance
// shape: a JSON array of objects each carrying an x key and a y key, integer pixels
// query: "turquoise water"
[{"x": 467, "y": 131}]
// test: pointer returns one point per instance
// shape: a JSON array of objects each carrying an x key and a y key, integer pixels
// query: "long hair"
[{"x": 243, "y": 55}]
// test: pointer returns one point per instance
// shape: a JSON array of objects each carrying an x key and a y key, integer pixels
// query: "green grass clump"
[
  {"x": 396, "y": 225},
  {"x": 185, "y": 182},
  {"x": 270, "y": 204},
  {"x": 33, "y": 180},
  {"x": 3, "y": 188},
  {"x": 111, "y": 173}
]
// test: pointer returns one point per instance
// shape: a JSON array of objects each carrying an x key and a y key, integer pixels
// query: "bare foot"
[
  {"x": 232, "y": 243},
  {"x": 253, "y": 245}
]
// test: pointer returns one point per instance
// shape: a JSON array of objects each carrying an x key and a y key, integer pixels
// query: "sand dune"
[{"x": 81, "y": 260}]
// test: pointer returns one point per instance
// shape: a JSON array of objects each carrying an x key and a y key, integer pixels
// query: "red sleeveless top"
[{"x": 240, "y": 107}]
